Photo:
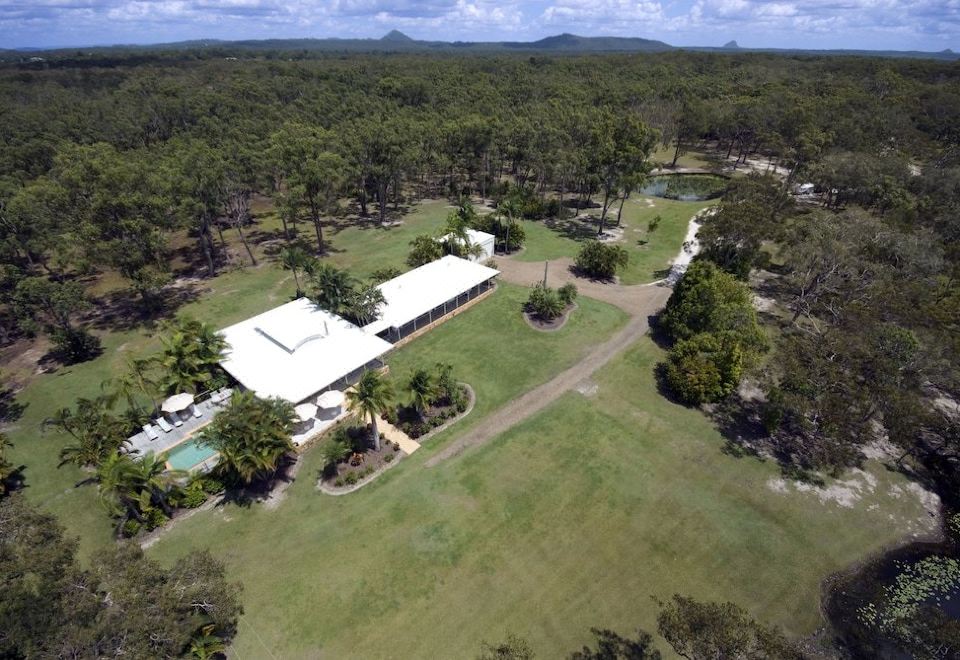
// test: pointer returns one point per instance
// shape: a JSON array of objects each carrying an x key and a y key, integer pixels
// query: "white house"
[
  {"x": 296, "y": 350},
  {"x": 481, "y": 238}
]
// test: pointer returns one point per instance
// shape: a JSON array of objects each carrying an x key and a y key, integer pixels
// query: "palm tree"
[
  {"x": 371, "y": 397},
  {"x": 120, "y": 489},
  {"x": 423, "y": 390},
  {"x": 294, "y": 258},
  {"x": 136, "y": 381},
  {"x": 332, "y": 288},
  {"x": 205, "y": 645},
  {"x": 511, "y": 208},
  {"x": 191, "y": 353},
  {"x": 154, "y": 479},
  {"x": 96, "y": 431},
  {"x": 252, "y": 436}
]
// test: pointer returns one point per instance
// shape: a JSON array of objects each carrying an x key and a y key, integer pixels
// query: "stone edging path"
[{"x": 640, "y": 301}]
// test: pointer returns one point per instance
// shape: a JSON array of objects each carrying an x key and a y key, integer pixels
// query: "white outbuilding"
[{"x": 480, "y": 238}]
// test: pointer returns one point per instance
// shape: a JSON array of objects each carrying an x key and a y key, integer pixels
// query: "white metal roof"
[
  {"x": 296, "y": 350},
  {"x": 419, "y": 290},
  {"x": 476, "y": 237}
]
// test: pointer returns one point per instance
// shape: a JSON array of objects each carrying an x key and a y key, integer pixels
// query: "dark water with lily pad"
[{"x": 685, "y": 187}]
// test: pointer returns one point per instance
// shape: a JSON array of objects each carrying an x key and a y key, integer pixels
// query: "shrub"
[
  {"x": 351, "y": 478},
  {"x": 462, "y": 406},
  {"x": 130, "y": 528},
  {"x": 367, "y": 471},
  {"x": 568, "y": 293},
  {"x": 154, "y": 518},
  {"x": 211, "y": 485},
  {"x": 601, "y": 260},
  {"x": 334, "y": 452},
  {"x": 381, "y": 275},
  {"x": 339, "y": 482},
  {"x": 436, "y": 422},
  {"x": 193, "y": 495},
  {"x": 544, "y": 302},
  {"x": 356, "y": 458},
  {"x": 388, "y": 458},
  {"x": 704, "y": 368},
  {"x": 396, "y": 446}
]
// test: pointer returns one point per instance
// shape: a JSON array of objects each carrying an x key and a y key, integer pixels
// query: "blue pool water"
[{"x": 189, "y": 454}]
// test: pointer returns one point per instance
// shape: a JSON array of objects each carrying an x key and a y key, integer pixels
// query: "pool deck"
[{"x": 140, "y": 444}]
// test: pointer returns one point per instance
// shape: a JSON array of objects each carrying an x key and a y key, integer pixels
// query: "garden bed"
[
  {"x": 360, "y": 462},
  {"x": 548, "y": 325},
  {"x": 438, "y": 415}
]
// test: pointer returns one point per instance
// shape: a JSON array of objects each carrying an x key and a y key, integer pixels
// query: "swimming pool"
[{"x": 189, "y": 454}]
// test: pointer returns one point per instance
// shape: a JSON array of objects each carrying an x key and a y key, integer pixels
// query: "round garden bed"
[{"x": 549, "y": 325}]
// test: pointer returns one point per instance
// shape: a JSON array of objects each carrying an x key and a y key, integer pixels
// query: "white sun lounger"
[
  {"x": 176, "y": 419},
  {"x": 196, "y": 411},
  {"x": 149, "y": 430},
  {"x": 164, "y": 424}
]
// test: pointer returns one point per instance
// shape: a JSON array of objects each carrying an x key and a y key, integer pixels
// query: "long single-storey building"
[
  {"x": 426, "y": 294},
  {"x": 298, "y": 350}
]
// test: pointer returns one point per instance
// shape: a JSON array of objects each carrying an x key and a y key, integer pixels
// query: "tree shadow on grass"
[
  {"x": 10, "y": 409},
  {"x": 125, "y": 310}
]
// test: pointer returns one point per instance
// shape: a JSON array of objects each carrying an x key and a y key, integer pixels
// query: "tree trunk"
[
  {"x": 253, "y": 259},
  {"x": 382, "y": 201},
  {"x": 315, "y": 216},
  {"x": 676, "y": 153},
  {"x": 205, "y": 246},
  {"x": 376, "y": 431},
  {"x": 620, "y": 210},
  {"x": 286, "y": 231}
]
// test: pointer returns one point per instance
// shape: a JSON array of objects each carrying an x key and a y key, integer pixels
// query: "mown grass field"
[
  {"x": 650, "y": 252},
  {"x": 572, "y": 519}
]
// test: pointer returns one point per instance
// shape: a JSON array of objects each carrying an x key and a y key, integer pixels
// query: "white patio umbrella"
[
  {"x": 177, "y": 402},
  {"x": 331, "y": 399},
  {"x": 305, "y": 411}
]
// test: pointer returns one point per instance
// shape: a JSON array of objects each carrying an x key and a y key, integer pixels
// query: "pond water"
[
  {"x": 845, "y": 596},
  {"x": 685, "y": 187}
]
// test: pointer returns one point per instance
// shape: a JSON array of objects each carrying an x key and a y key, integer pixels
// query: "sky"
[{"x": 928, "y": 25}]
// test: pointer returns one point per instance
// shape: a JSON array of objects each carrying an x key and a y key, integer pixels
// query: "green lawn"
[
  {"x": 649, "y": 252},
  {"x": 687, "y": 159},
  {"x": 570, "y": 520}
]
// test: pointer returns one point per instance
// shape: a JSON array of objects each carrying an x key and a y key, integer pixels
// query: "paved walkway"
[
  {"x": 640, "y": 301},
  {"x": 407, "y": 444}
]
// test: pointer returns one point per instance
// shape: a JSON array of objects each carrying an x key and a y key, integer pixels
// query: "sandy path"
[
  {"x": 640, "y": 301},
  {"x": 535, "y": 400}
]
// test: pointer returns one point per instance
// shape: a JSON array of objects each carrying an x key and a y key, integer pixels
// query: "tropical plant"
[
  {"x": 138, "y": 381},
  {"x": 381, "y": 275},
  {"x": 423, "y": 250},
  {"x": 96, "y": 431},
  {"x": 191, "y": 355},
  {"x": 544, "y": 302},
  {"x": 120, "y": 492},
  {"x": 206, "y": 645},
  {"x": 363, "y": 304},
  {"x": 295, "y": 259},
  {"x": 601, "y": 260},
  {"x": 252, "y": 436},
  {"x": 423, "y": 390},
  {"x": 334, "y": 452},
  {"x": 371, "y": 397},
  {"x": 331, "y": 288}
]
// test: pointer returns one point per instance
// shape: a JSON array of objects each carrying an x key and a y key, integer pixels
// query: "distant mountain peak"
[
  {"x": 731, "y": 44},
  {"x": 947, "y": 51},
  {"x": 395, "y": 35}
]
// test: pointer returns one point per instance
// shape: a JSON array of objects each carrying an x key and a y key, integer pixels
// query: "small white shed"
[
  {"x": 806, "y": 189},
  {"x": 481, "y": 238}
]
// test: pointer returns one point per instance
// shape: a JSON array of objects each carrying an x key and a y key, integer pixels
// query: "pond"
[
  {"x": 685, "y": 187},
  {"x": 846, "y": 595}
]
